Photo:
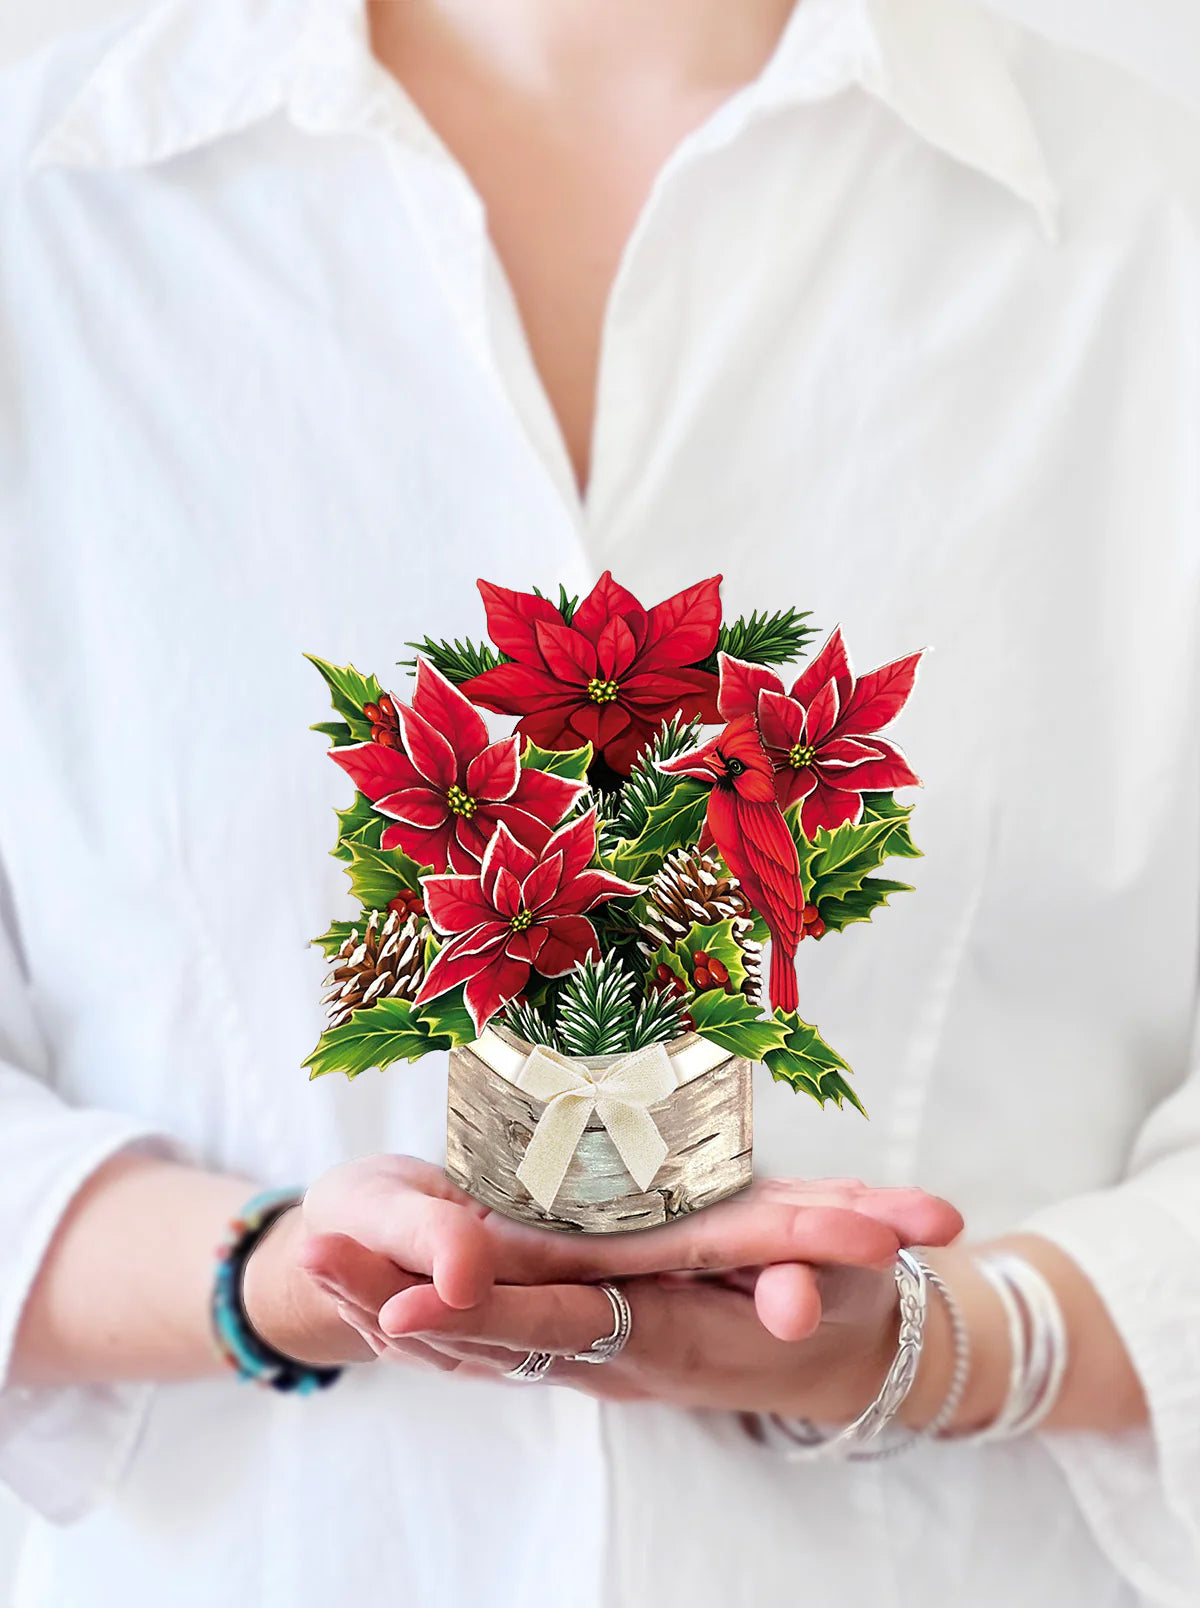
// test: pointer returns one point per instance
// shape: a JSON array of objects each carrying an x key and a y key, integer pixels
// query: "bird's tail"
[{"x": 785, "y": 996}]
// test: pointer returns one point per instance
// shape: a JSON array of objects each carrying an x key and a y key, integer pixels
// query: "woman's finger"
[
  {"x": 548, "y": 1317},
  {"x": 410, "y": 1212},
  {"x": 342, "y": 1265},
  {"x": 751, "y": 1231},
  {"x": 788, "y": 1300}
]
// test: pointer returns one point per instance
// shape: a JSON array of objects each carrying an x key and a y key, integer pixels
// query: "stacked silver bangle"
[{"x": 1038, "y": 1340}]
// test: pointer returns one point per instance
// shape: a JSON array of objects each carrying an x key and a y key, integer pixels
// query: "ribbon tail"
[
  {"x": 554, "y": 1142},
  {"x": 638, "y": 1142}
]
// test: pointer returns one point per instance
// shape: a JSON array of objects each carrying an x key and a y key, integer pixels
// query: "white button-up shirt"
[{"x": 908, "y": 335}]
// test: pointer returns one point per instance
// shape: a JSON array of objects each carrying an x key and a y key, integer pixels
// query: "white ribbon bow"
[{"x": 619, "y": 1095}]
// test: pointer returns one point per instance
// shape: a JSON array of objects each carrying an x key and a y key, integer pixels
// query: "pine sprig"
[
  {"x": 457, "y": 661},
  {"x": 763, "y": 638},
  {"x": 566, "y": 604},
  {"x": 531, "y": 1023},
  {"x": 595, "y": 1008},
  {"x": 659, "y": 1019},
  {"x": 624, "y": 814}
]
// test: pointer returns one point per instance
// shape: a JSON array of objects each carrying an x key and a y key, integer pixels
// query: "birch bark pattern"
[{"x": 707, "y": 1123}]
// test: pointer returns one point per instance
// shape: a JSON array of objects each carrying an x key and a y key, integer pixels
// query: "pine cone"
[
  {"x": 694, "y": 890},
  {"x": 389, "y": 963}
]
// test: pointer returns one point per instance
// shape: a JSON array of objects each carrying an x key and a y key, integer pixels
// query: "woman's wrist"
[
  {"x": 983, "y": 1317},
  {"x": 287, "y": 1309}
]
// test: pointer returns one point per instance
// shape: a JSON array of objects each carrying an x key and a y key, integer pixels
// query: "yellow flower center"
[
  {"x": 602, "y": 692},
  {"x": 801, "y": 755},
  {"x": 522, "y": 921},
  {"x": 461, "y": 803}
]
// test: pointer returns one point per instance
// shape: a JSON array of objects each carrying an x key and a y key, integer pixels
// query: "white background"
[{"x": 1159, "y": 38}]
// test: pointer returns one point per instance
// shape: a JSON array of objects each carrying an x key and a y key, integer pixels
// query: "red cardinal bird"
[{"x": 752, "y": 836}]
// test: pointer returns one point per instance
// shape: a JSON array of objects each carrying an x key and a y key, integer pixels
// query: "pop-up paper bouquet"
[{"x": 578, "y": 911}]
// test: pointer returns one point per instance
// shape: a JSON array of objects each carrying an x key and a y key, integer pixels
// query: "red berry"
[
  {"x": 373, "y": 713},
  {"x": 387, "y": 707},
  {"x": 811, "y": 914},
  {"x": 817, "y": 930},
  {"x": 718, "y": 971},
  {"x": 703, "y": 977}
]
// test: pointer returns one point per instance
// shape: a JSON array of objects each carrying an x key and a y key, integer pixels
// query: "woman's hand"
[
  {"x": 375, "y": 1229},
  {"x": 695, "y": 1343}
]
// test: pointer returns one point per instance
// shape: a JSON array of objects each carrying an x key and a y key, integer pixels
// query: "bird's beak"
[{"x": 703, "y": 764}]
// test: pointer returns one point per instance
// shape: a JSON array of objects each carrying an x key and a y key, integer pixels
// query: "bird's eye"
[{"x": 734, "y": 767}]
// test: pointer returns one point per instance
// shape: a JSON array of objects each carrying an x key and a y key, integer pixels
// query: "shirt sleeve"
[
  {"x": 60, "y": 1449},
  {"x": 1139, "y": 1244}
]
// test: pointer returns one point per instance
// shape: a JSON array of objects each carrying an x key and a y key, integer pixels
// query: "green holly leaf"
[
  {"x": 448, "y": 1020},
  {"x": 676, "y": 823},
  {"x": 569, "y": 762},
  {"x": 835, "y": 863},
  {"x": 806, "y": 1062},
  {"x": 359, "y": 824},
  {"x": 374, "y": 1037},
  {"x": 718, "y": 942},
  {"x": 883, "y": 807},
  {"x": 330, "y": 942},
  {"x": 349, "y": 690},
  {"x": 736, "y": 1024},
  {"x": 378, "y": 875},
  {"x": 338, "y": 732},
  {"x": 860, "y": 903}
]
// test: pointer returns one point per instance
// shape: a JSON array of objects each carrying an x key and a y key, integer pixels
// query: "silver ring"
[
  {"x": 532, "y": 1368},
  {"x": 610, "y": 1345}
]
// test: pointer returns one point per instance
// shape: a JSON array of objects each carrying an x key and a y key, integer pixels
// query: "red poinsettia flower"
[
  {"x": 522, "y": 911},
  {"x": 449, "y": 788},
  {"x": 610, "y": 677},
  {"x": 823, "y": 737}
]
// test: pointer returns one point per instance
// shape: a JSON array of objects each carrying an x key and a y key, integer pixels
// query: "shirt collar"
[{"x": 193, "y": 71}]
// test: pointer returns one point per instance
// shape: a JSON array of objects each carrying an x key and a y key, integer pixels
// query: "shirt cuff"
[
  {"x": 1140, "y": 1491},
  {"x": 62, "y": 1448}
]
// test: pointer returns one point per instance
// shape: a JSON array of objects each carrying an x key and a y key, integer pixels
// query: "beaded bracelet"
[{"x": 246, "y": 1352}]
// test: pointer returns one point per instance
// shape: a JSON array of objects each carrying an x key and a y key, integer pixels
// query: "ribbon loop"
[{"x": 619, "y": 1095}]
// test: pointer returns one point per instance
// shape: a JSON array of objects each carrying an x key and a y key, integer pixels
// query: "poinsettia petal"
[
  {"x": 879, "y": 696},
  {"x": 528, "y": 830},
  {"x": 545, "y": 795},
  {"x": 456, "y": 903},
  {"x": 829, "y": 807},
  {"x": 878, "y": 773},
  {"x": 606, "y": 599},
  {"x": 428, "y": 749},
  {"x": 506, "y": 893},
  {"x": 450, "y": 712},
  {"x": 567, "y": 654},
  {"x": 416, "y": 806},
  {"x": 504, "y": 853},
  {"x": 598, "y": 724},
  {"x": 462, "y": 958},
  {"x": 376, "y": 770},
  {"x": 621, "y": 753},
  {"x": 570, "y": 940},
  {"x": 550, "y": 726},
  {"x": 831, "y": 664},
  {"x": 781, "y": 722},
  {"x": 424, "y": 846},
  {"x": 741, "y": 683},
  {"x": 493, "y": 987},
  {"x": 511, "y": 617},
  {"x": 514, "y": 689},
  {"x": 793, "y": 786},
  {"x": 839, "y": 753},
  {"x": 542, "y": 883},
  {"x": 468, "y": 840},
  {"x": 526, "y": 945},
  {"x": 616, "y": 649},
  {"x": 493, "y": 774},
  {"x": 822, "y": 713},
  {"x": 683, "y": 628},
  {"x": 591, "y": 888},
  {"x": 576, "y": 842}
]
